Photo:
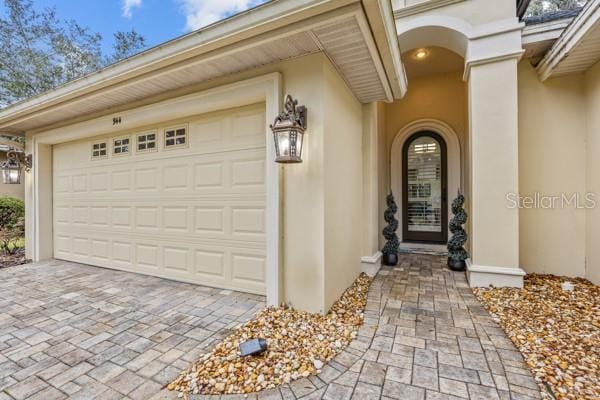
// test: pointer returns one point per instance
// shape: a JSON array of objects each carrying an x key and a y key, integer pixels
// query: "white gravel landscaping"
[
  {"x": 557, "y": 331},
  {"x": 299, "y": 345}
]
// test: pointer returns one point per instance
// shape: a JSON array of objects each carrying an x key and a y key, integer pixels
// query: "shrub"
[
  {"x": 11, "y": 210},
  {"x": 12, "y": 223}
]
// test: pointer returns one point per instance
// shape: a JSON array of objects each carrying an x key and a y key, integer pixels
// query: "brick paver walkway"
[
  {"x": 426, "y": 337},
  {"x": 69, "y": 331},
  {"x": 80, "y": 332}
]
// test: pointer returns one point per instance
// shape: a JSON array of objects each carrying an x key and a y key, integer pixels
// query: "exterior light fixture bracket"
[{"x": 288, "y": 131}]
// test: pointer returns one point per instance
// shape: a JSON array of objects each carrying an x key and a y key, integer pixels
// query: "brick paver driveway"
[{"x": 80, "y": 332}]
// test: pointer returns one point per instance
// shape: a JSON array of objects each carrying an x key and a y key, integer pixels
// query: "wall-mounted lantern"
[
  {"x": 288, "y": 132},
  {"x": 13, "y": 166}
]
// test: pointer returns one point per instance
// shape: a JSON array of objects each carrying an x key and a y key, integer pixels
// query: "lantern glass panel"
[
  {"x": 289, "y": 145},
  {"x": 283, "y": 138},
  {"x": 11, "y": 175},
  {"x": 299, "y": 137}
]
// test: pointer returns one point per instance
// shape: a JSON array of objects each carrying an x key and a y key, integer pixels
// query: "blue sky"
[{"x": 157, "y": 20}]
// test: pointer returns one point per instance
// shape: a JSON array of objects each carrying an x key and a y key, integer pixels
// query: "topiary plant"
[
  {"x": 12, "y": 226},
  {"x": 456, "y": 252},
  {"x": 390, "y": 250}
]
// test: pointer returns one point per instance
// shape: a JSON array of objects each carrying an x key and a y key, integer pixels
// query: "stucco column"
[
  {"x": 371, "y": 256},
  {"x": 38, "y": 203},
  {"x": 493, "y": 155}
]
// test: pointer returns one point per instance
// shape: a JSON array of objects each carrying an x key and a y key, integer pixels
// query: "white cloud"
[
  {"x": 128, "y": 5},
  {"x": 200, "y": 13}
]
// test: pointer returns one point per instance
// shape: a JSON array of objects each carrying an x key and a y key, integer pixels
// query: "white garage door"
[{"x": 184, "y": 200}]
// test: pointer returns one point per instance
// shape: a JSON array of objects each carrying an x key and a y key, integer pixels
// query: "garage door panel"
[
  {"x": 62, "y": 184},
  {"x": 121, "y": 180},
  {"x": 80, "y": 215},
  {"x": 122, "y": 252},
  {"x": 62, "y": 215},
  {"x": 248, "y": 221},
  {"x": 248, "y": 268},
  {"x": 176, "y": 258},
  {"x": 209, "y": 175},
  {"x": 247, "y": 173},
  {"x": 247, "y": 128},
  {"x": 146, "y": 179},
  {"x": 79, "y": 183},
  {"x": 99, "y": 182},
  {"x": 210, "y": 263},
  {"x": 62, "y": 245},
  {"x": 81, "y": 246},
  {"x": 242, "y": 220},
  {"x": 147, "y": 218},
  {"x": 100, "y": 216},
  {"x": 208, "y": 134},
  {"x": 239, "y": 130},
  {"x": 209, "y": 220},
  {"x": 100, "y": 249},
  {"x": 121, "y": 217},
  {"x": 175, "y": 177},
  {"x": 219, "y": 264},
  {"x": 194, "y": 214},
  {"x": 177, "y": 219},
  {"x": 147, "y": 255},
  {"x": 225, "y": 173}
]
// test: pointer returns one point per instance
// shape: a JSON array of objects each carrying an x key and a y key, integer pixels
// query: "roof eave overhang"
[
  {"x": 551, "y": 30},
  {"x": 586, "y": 23},
  {"x": 243, "y": 28},
  {"x": 383, "y": 26}
]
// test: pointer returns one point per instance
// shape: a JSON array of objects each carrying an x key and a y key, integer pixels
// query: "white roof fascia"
[
  {"x": 545, "y": 31},
  {"x": 572, "y": 36},
  {"x": 381, "y": 18}
]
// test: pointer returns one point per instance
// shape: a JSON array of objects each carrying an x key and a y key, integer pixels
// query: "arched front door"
[{"x": 424, "y": 189}]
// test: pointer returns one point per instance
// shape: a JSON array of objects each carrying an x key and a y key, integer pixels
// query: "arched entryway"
[
  {"x": 445, "y": 136},
  {"x": 424, "y": 188}
]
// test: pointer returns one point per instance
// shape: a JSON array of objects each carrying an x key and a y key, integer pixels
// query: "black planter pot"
[
  {"x": 456, "y": 265},
  {"x": 390, "y": 259}
]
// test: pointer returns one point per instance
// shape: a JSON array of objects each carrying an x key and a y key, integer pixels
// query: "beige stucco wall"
[
  {"x": 323, "y": 196},
  {"x": 303, "y": 192},
  {"x": 16, "y": 191},
  {"x": 476, "y": 12},
  {"x": 592, "y": 87},
  {"x": 440, "y": 97},
  {"x": 343, "y": 185},
  {"x": 552, "y": 136}
]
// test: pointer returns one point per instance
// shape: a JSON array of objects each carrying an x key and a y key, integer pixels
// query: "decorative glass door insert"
[{"x": 424, "y": 188}]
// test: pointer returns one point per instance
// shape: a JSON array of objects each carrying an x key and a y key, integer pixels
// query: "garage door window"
[
  {"x": 175, "y": 137},
  {"x": 146, "y": 142},
  {"x": 99, "y": 150},
  {"x": 121, "y": 146}
]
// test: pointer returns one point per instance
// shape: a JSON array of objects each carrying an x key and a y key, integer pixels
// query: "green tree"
[
  {"x": 126, "y": 45},
  {"x": 539, "y": 7},
  {"x": 39, "y": 51}
]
